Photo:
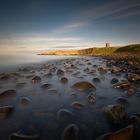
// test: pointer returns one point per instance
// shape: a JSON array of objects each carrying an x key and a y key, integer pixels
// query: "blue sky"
[{"x": 67, "y": 24}]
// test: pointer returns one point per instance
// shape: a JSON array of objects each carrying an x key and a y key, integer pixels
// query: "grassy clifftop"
[{"x": 110, "y": 50}]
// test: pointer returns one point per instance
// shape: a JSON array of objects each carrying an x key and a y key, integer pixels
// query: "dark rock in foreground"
[
  {"x": 127, "y": 133},
  {"x": 115, "y": 113},
  {"x": 71, "y": 132},
  {"x": 5, "y": 111},
  {"x": 7, "y": 93}
]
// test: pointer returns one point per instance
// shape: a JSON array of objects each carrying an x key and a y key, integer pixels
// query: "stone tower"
[{"x": 107, "y": 45}]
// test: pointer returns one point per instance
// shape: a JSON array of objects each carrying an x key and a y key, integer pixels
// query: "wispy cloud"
[{"x": 75, "y": 25}]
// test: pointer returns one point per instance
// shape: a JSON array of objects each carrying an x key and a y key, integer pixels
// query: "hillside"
[{"x": 98, "y": 51}]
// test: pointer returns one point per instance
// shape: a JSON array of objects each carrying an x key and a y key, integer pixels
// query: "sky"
[{"x": 36, "y": 25}]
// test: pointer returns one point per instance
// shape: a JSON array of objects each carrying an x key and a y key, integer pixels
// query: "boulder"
[
  {"x": 7, "y": 93},
  {"x": 64, "y": 80},
  {"x": 5, "y": 111},
  {"x": 127, "y": 133},
  {"x": 133, "y": 77},
  {"x": 116, "y": 70},
  {"x": 82, "y": 86},
  {"x": 102, "y": 70},
  {"x": 36, "y": 79},
  {"x": 71, "y": 132},
  {"x": 64, "y": 115},
  {"x": 91, "y": 97},
  {"x": 114, "y": 80},
  {"x": 122, "y": 101},
  {"x": 115, "y": 113},
  {"x": 78, "y": 105},
  {"x": 60, "y": 72}
]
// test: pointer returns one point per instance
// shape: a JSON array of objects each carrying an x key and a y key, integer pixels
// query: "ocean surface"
[{"x": 14, "y": 61}]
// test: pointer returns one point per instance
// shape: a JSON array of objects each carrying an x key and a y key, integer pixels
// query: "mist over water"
[{"x": 12, "y": 61}]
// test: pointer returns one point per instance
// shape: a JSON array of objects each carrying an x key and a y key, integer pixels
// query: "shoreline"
[{"x": 55, "y": 92}]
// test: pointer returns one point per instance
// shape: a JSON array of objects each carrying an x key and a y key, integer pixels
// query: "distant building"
[{"x": 107, "y": 45}]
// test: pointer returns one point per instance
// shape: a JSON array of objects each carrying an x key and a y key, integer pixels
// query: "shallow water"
[{"x": 40, "y": 115}]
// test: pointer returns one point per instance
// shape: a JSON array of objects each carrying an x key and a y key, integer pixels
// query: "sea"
[{"x": 14, "y": 61}]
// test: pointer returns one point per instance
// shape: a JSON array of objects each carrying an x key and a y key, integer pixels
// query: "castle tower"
[{"x": 107, "y": 45}]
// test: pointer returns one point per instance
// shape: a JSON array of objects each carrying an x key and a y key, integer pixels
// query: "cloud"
[
  {"x": 75, "y": 25},
  {"x": 112, "y": 9}
]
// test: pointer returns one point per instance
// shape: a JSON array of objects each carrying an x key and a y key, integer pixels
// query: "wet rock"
[
  {"x": 86, "y": 70},
  {"x": 5, "y": 111},
  {"x": 82, "y": 86},
  {"x": 127, "y": 133},
  {"x": 49, "y": 75},
  {"x": 60, "y": 72},
  {"x": 46, "y": 86},
  {"x": 122, "y": 101},
  {"x": 64, "y": 115},
  {"x": 4, "y": 76},
  {"x": 102, "y": 70},
  {"x": 36, "y": 79},
  {"x": 7, "y": 93},
  {"x": 52, "y": 91},
  {"x": 133, "y": 77},
  {"x": 134, "y": 120},
  {"x": 115, "y": 113},
  {"x": 71, "y": 132},
  {"x": 122, "y": 85},
  {"x": 64, "y": 80},
  {"x": 78, "y": 105},
  {"x": 91, "y": 97},
  {"x": 18, "y": 136},
  {"x": 20, "y": 84},
  {"x": 96, "y": 79},
  {"x": 114, "y": 80},
  {"x": 116, "y": 70},
  {"x": 25, "y": 100}
]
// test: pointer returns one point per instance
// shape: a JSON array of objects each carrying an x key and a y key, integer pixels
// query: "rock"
[
  {"x": 64, "y": 115},
  {"x": 36, "y": 79},
  {"x": 4, "y": 76},
  {"x": 127, "y": 133},
  {"x": 122, "y": 101},
  {"x": 122, "y": 85},
  {"x": 16, "y": 136},
  {"x": 60, "y": 72},
  {"x": 78, "y": 105},
  {"x": 134, "y": 120},
  {"x": 46, "y": 86},
  {"x": 116, "y": 70},
  {"x": 71, "y": 132},
  {"x": 102, "y": 70},
  {"x": 133, "y": 77},
  {"x": 114, "y": 81},
  {"x": 91, "y": 97},
  {"x": 96, "y": 79},
  {"x": 48, "y": 74},
  {"x": 52, "y": 91},
  {"x": 25, "y": 100},
  {"x": 7, "y": 93},
  {"x": 5, "y": 111},
  {"x": 82, "y": 86},
  {"x": 64, "y": 80},
  {"x": 115, "y": 113},
  {"x": 20, "y": 84}
]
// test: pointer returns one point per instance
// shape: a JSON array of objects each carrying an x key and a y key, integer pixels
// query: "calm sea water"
[{"x": 14, "y": 61}]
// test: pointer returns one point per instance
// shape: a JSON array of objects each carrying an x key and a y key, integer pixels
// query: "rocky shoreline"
[{"x": 83, "y": 98}]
